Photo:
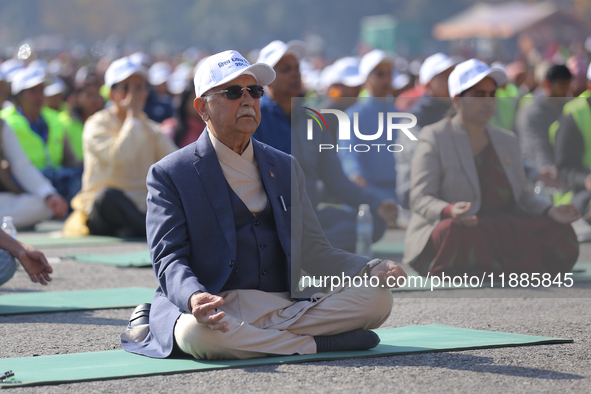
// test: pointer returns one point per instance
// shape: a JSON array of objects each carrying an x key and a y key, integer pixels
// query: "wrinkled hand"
[
  {"x": 564, "y": 214},
  {"x": 388, "y": 212},
  {"x": 549, "y": 175},
  {"x": 35, "y": 263},
  {"x": 58, "y": 205},
  {"x": 203, "y": 306},
  {"x": 388, "y": 269},
  {"x": 358, "y": 180},
  {"x": 460, "y": 210}
]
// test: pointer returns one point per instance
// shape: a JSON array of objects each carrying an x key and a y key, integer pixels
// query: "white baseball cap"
[
  {"x": 10, "y": 67},
  {"x": 178, "y": 81},
  {"x": 469, "y": 73},
  {"x": 159, "y": 73},
  {"x": 56, "y": 86},
  {"x": 272, "y": 53},
  {"x": 433, "y": 66},
  {"x": 121, "y": 69},
  {"x": 140, "y": 58},
  {"x": 345, "y": 71},
  {"x": 27, "y": 78},
  {"x": 226, "y": 66},
  {"x": 371, "y": 60}
]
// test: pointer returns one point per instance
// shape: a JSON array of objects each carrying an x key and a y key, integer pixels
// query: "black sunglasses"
[{"x": 234, "y": 92}]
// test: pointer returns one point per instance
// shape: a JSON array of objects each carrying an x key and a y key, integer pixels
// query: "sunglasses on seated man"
[{"x": 234, "y": 92}]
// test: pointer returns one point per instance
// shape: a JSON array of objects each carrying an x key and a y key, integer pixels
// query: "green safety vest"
[
  {"x": 506, "y": 107},
  {"x": 581, "y": 112},
  {"x": 42, "y": 155},
  {"x": 73, "y": 128}
]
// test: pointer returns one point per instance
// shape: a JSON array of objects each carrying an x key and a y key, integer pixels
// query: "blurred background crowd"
[{"x": 55, "y": 59}]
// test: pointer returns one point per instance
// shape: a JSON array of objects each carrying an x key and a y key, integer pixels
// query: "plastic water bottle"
[
  {"x": 364, "y": 231},
  {"x": 542, "y": 191},
  {"x": 8, "y": 226}
]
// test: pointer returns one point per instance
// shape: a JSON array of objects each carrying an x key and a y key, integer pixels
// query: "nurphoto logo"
[{"x": 344, "y": 130}]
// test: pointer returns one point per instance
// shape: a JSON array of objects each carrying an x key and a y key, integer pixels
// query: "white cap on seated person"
[
  {"x": 159, "y": 73},
  {"x": 371, "y": 60},
  {"x": 433, "y": 66},
  {"x": 27, "y": 78},
  {"x": 226, "y": 66},
  {"x": 273, "y": 52},
  {"x": 10, "y": 67},
  {"x": 345, "y": 71},
  {"x": 121, "y": 69},
  {"x": 469, "y": 73},
  {"x": 56, "y": 86}
]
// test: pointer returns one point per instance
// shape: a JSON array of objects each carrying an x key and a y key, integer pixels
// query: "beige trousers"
[{"x": 264, "y": 324}]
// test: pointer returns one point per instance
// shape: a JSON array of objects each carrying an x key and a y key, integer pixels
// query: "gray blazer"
[{"x": 443, "y": 171}]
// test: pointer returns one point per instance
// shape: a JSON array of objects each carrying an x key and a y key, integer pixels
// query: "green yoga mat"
[
  {"x": 131, "y": 259},
  {"x": 582, "y": 272},
  {"x": 67, "y": 368},
  {"x": 48, "y": 241},
  {"x": 62, "y": 301},
  {"x": 387, "y": 249}
]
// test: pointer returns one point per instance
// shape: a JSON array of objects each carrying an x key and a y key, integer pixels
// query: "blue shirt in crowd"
[
  {"x": 377, "y": 167},
  {"x": 275, "y": 126}
]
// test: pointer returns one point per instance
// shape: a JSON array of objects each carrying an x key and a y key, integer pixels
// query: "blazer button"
[
  {"x": 264, "y": 272},
  {"x": 262, "y": 245},
  {"x": 256, "y": 222},
  {"x": 236, "y": 271},
  {"x": 231, "y": 263}
]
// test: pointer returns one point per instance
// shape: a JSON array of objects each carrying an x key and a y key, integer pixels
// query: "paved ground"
[{"x": 562, "y": 368}]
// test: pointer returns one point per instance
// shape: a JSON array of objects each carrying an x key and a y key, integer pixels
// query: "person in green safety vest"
[
  {"x": 41, "y": 134},
  {"x": 534, "y": 117},
  {"x": 508, "y": 96},
  {"x": 86, "y": 100},
  {"x": 572, "y": 148},
  {"x": 55, "y": 92}
]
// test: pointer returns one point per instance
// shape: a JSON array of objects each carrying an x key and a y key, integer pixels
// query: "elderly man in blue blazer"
[{"x": 231, "y": 229}]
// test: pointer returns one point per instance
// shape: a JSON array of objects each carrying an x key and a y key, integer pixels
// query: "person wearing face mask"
[
  {"x": 431, "y": 107},
  {"x": 119, "y": 143},
  {"x": 473, "y": 209}
]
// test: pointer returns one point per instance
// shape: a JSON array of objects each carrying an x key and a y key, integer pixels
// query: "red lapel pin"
[{"x": 272, "y": 175}]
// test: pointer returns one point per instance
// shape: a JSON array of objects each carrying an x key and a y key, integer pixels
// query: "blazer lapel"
[
  {"x": 464, "y": 152},
  {"x": 210, "y": 172},
  {"x": 273, "y": 182}
]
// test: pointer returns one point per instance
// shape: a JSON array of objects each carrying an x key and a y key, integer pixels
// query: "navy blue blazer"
[{"x": 192, "y": 236}]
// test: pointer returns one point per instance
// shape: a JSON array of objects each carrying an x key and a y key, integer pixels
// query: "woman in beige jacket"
[{"x": 473, "y": 209}]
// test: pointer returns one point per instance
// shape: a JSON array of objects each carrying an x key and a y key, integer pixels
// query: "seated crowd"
[{"x": 80, "y": 148}]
